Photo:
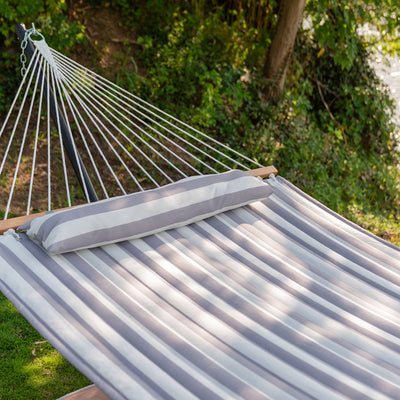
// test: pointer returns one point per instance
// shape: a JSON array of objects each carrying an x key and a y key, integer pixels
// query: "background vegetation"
[{"x": 331, "y": 132}]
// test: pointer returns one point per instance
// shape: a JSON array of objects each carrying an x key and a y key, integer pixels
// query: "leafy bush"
[
  {"x": 331, "y": 133},
  {"x": 50, "y": 18}
]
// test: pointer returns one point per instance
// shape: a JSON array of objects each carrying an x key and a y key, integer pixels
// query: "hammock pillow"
[{"x": 144, "y": 213}]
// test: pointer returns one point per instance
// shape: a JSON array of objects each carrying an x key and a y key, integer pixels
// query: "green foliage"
[
  {"x": 336, "y": 25},
  {"x": 332, "y": 132},
  {"x": 353, "y": 106},
  {"x": 352, "y": 138},
  {"x": 200, "y": 64},
  {"x": 48, "y": 16}
]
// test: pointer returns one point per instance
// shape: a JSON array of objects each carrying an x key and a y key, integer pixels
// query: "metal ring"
[{"x": 36, "y": 33}]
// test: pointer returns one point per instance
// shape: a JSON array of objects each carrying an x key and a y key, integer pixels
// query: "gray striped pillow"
[{"x": 140, "y": 214}]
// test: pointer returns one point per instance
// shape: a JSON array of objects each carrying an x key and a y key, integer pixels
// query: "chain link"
[
  {"x": 22, "y": 57},
  {"x": 23, "y": 62},
  {"x": 24, "y": 43}
]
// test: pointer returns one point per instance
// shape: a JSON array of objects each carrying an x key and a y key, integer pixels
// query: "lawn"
[{"x": 30, "y": 368}]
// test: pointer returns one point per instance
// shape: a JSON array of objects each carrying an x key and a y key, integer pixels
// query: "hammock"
[{"x": 215, "y": 286}]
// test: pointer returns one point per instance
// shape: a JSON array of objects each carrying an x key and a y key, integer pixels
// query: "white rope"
[
  {"x": 48, "y": 140},
  {"x": 12, "y": 107},
  {"x": 22, "y": 145},
  {"x": 118, "y": 90},
  {"x": 154, "y": 151},
  {"x": 208, "y": 155},
  {"x": 120, "y": 136},
  {"x": 74, "y": 116},
  {"x": 33, "y": 61},
  {"x": 126, "y": 137},
  {"x": 28, "y": 206},
  {"x": 32, "y": 66},
  {"x": 129, "y": 96},
  {"x": 125, "y": 112},
  {"x": 94, "y": 118},
  {"x": 64, "y": 113},
  {"x": 97, "y": 93},
  {"x": 60, "y": 139}
]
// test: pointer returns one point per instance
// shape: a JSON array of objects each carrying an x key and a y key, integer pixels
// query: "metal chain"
[
  {"x": 22, "y": 57},
  {"x": 24, "y": 43}
]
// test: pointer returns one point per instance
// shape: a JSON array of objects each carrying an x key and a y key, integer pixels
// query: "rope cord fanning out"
[{"x": 118, "y": 143}]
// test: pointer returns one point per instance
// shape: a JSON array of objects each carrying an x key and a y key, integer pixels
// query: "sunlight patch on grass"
[
  {"x": 386, "y": 227},
  {"x": 30, "y": 368}
]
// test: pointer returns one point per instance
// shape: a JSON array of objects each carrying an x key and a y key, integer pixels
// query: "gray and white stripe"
[
  {"x": 144, "y": 213},
  {"x": 277, "y": 299}
]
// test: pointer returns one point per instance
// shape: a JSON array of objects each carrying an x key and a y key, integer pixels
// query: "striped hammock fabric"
[{"x": 278, "y": 299}]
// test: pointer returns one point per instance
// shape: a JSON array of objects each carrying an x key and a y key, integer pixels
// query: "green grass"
[
  {"x": 386, "y": 227},
  {"x": 30, "y": 368}
]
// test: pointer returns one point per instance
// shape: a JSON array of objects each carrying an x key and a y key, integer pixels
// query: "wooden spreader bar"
[
  {"x": 88, "y": 393},
  {"x": 263, "y": 172}
]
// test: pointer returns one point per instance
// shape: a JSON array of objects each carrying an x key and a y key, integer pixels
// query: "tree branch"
[{"x": 319, "y": 85}]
